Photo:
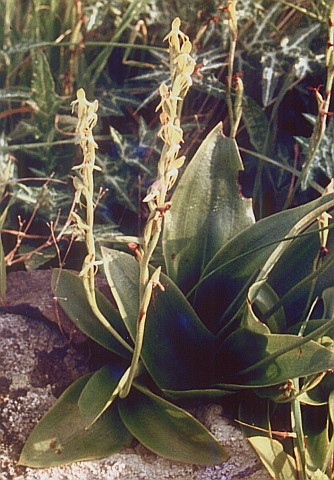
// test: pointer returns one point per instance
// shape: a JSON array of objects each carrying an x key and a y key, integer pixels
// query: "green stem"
[
  {"x": 328, "y": 454},
  {"x": 101, "y": 318},
  {"x": 229, "y": 84},
  {"x": 323, "y": 109},
  {"x": 297, "y": 428}
]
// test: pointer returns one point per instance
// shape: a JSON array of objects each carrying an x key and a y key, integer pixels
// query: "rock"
[
  {"x": 26, "y": 297},
  {"x": 37, "y": 364},
  {"x": 40, "y": 355}
]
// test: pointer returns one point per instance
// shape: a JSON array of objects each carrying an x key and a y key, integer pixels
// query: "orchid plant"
[{"x": 239, "y": 308}]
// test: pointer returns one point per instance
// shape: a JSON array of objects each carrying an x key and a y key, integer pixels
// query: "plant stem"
[
  {"x": 87, "y": 119},
  {"x": 234, "y": 111},
  {"x": 181, "y": 69},
  {"x": 297, "y": 428},
  {"x": 323, "y": 109}
]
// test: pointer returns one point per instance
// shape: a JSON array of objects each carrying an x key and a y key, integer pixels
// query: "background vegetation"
[{"x": 113, "y": 49}]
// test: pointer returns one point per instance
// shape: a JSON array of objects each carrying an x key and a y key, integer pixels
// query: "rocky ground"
[{"x": 38, "y": 361}]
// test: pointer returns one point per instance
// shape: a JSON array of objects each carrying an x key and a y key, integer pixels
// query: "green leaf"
[
  {"x": 3, "y": 270},
  {"x": 254, "y": 415},
  {"x": 318, "y": 389},
  {"x": 168, "y": 430},
  {"x": 270, "y": 359},
  {"x": 328, "y": 301},
  {"x": 319, "y": 475},
  {"x": 265, "y": 299},
  {"x": 71, "y": 296},
  {"x": 256, "y": 123},
  {"x": 61, "y": 436},
  {"x": 315, "y": 427},
  {"x": 96, "y": 396},
  {"x": 249, "y": 319},
  {"x": 331, "y": 406},
  {"x": 43, "y": 85},
  {"x": 207, "y": 209},
  {"x": 207, "y": 393},
  {"x": 177, "y": 349},
  {"x": 279, "y": 464},
  {"x": 37, "y": 259},
  {"x": 9, "y": 95},
  {"x": 294, "y": 275},
  {"x": 235, "y": 263},
  {"x": 95, "y": 68}
]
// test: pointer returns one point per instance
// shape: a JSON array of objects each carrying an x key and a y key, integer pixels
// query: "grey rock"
[{"x": 37, "y": 363}]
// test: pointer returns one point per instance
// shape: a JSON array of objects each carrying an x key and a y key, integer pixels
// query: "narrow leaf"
[
  {"x": 256, "y": 123},
  {"x": 43, "y": 85}
]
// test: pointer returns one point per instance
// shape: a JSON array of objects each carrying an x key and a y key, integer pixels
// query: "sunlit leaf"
[
  {"x": 96, "y": 395},
  {"x": 169, "y": 430},
  {"x": 177, "y": 349},
  {"x": 269, "y": 359},
  {"x": 279, "y": 464},
  {"x": 62, "y": 437},
  {"x": 71, "y": 296},
  {"x": 315, "y": 427},
  {"x": 248, "y": 252},
  {"x": 207, "y": 209}
]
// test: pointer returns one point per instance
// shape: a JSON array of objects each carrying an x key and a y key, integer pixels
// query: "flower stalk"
[
  {"x": 182, "y": 66},
  {"x": 234, "y": 109},
  {"x": 84, "y": 187}
]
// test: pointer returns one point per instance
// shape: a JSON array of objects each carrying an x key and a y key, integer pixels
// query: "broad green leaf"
[
  {"x": 300, "y": 227},
  {"x": 235, "y": 263},
  {"x": 315, "y": 427},
  {"x": 319, "y": 475},
  {"x": 168, "y": 430},
  {"x": 61, "y": 436},
  {"x": 294, "y": 278},
  {"x": 253, "y": 359},
  {"x": 177, "y": 349},
  {"x": 207, "y": 209},
  {"x": 71, "y": 296},
  {"x": 254, "y": 415},
  {"x": 96, "y": 396},
  {"x": 317, "y": 389},
  {"x": 279, "y": 464}
]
